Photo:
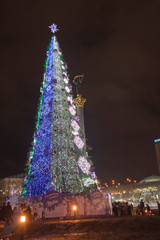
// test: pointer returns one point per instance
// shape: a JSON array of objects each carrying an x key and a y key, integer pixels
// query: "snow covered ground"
[{"x": 109, "y": 228}]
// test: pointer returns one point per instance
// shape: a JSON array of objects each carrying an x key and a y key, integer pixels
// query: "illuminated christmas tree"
[{"x": 58, "y": 160}]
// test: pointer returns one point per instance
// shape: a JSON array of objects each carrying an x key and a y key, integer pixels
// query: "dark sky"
[{"x": 116, "y": 45}]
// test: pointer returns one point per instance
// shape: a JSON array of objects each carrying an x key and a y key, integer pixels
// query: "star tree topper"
[{"x": 53, "y": 28}]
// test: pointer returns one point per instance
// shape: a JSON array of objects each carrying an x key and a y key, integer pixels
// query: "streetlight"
[
  {"x": 74, "y": 207},
  {"x": 22, "y": 219}
]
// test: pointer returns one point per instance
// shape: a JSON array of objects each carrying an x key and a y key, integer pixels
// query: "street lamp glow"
[
  {"x": 23, "y": 219},
  {"x": 74, "y": 208}
]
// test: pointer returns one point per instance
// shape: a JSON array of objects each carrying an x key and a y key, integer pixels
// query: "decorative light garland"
[{"x": 57, "y": 153}]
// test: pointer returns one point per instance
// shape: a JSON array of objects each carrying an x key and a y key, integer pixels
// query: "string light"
[{"x": 57, "y": 159}]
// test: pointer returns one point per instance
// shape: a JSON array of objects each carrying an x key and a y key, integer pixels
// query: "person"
[
  {"x": 115, "y": 210},
  {"x": 8, "y": 212},
  {"x": 28, "y": 214},
  {"x": 142, "y": 206},
  {"x": 129, "y": 210},
  {"x": 3, "y": 212},
  {"x": 158, "y": 205},
  {"x": 16, "y": 214},
  {"x": 138, "y": 209},
  {"x": 131, "y": 205},
  {"x": 148, "y": 209},
  {"x": 121, "y": 209}
]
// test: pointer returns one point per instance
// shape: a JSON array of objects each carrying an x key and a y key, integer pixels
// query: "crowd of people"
[
  {"x": 121, "y": 209},
  {"x": 9, "y": 215}
]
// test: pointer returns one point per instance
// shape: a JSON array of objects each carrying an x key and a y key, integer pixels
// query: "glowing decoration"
[
  {"x": 77, "y": 118},
  {"x": 69, "y": 98},
  {"x": 22, "y": 219},
  {"x": 75, "y": 125},
  {"x": 53, "y": 28},
  {"x": 67, "y": 89},
  {"x": 64, "y": 74},
  {"x": 78, "y": 141},
  {"x": 72, "y": 110},
  {"x": 65, "y": 80},
  {"x": 50, "y": 165},
  {"x": 157, "y": 140},
  {"x": 89, "y": 181},
  {"x": 93, "y": 174},
  {"x": 74, "y": 133},
  {"x": 84, "y": 164},
  {"x": 74, "y": 208}
]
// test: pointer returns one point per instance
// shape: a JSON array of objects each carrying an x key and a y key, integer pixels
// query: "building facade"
[
  {"x": 148, "y": 189},
  {"x": 157, "y": 147},
  {"x": 11, "y": 186}
]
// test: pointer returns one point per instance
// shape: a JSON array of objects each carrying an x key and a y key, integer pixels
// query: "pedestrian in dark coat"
[
  {"x": 28, "y": 214},
  {"x": 3, "y": 212},
  {"x": 142, "y": 206},
  {"x": 8, "y": 212}
]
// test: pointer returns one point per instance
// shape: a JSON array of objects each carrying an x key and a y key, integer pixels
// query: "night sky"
[{"x": 116, "y": 45}]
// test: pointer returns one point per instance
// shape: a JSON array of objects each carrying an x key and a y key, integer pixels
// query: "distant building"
[
  {"x": 148, "y": 189},
  {"x": 157, "y": 147},
  {"x": 11, "y": 186}
]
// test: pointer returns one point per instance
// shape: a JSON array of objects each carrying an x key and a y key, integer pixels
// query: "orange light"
[
  {"x": 74, "y": 208},
  {"x": 22, "y": 219}
]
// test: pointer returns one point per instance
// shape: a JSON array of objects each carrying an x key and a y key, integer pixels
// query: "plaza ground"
[{"x": 109, "y": 228}]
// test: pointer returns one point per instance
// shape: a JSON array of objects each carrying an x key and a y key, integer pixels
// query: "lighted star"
[{"x": 53, "y": 28}]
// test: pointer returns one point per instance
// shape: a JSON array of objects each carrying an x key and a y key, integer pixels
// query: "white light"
[
  {"x": 64, "y": 73},
  {"x": 67, "y": 89},
  {"x": 78, "y": 141},
  {"x": 72, "y": 111},
  {"x": 74, "y": 133},
  {"x": 66, "y": 80},
  {"x": 22, "y": 219},
  {"x": 69, "y": 98},
  {"x": 84, "y": 164},
  {"x": 75, "y": 125},
  {"x": 74, "y": 207},
  {"x": 89, "y": 181}
]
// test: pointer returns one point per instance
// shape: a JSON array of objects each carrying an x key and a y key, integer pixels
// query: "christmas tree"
[{"x": 58, "y": 159}]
